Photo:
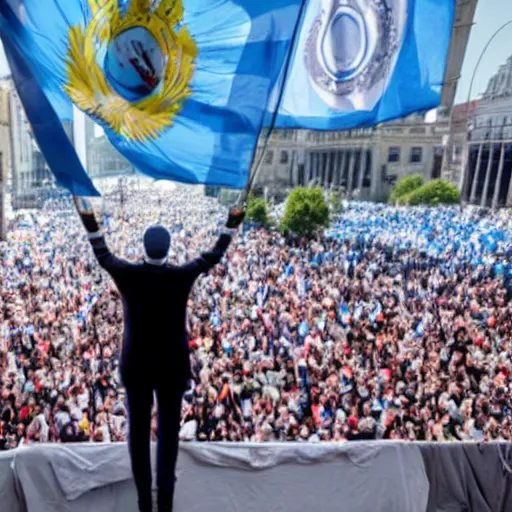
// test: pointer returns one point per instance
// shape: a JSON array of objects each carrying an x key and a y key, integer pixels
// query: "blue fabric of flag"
[
  {"x": 420, "y": 329},
  {"x": 303, "y": 329},
  {"x": 344, "y": 314},
  {"x": 359, "y": 62},
  {"x": 180, "y": 87},
  {"x": 376, "y": 311},
  {"x": 41, "y": 109}
]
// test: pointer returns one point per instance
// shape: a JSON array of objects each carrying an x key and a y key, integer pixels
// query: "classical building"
[
  {"x": 364, "y": 162},
  {"x": 5, "y": 135},
  {"x": 5, "y": 155},
  {"x": 456, "y": 142},
  {"x": 488, "y": 175},
  {"x": 26, "y": 176}
]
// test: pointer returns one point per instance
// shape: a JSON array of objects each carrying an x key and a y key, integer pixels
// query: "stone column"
[
  {"x": 342, "y": 165},
  {"x": 3, "y": 174},
  {"x": 318, "y": 165},
  {"x": 483, "y": 200},
  {"x": 307, "y": 167},
  {"x": 362, "y": 169},
  {"x": 294, "y": 169},
  {"x": 497, "y": 186},
  {"x": 476, "y": 176},
  {"x": 350, "y": 182},
  {"x": 327, "y": 169},
  {"x": 335, "y": 168},
  {"x": 509, "y": 194}
]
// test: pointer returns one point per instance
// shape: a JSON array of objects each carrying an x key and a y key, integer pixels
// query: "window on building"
[
  {"x": 284, "y": 157},
  {"x": 394, "y": 154},
  {"x": 416, "y": 155},
  {"x": 269, "y": 157}
]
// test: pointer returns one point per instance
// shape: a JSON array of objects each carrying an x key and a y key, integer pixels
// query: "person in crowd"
[{"x": 155, "y": 351}]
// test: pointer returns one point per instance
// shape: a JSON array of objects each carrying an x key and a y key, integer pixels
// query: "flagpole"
[{"x": 296, "y": 32}]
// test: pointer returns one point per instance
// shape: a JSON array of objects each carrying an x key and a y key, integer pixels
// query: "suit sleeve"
[
  {"x": 209, "y": 259},
  {"x": 100, "y": 248},
  {"x": 105, "y": 258}
]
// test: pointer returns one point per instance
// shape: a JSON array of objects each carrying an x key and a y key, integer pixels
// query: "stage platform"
[{"x": 295, "y": 477}]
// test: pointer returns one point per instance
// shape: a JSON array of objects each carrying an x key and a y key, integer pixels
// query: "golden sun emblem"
[{"x": 146, "y": 66}]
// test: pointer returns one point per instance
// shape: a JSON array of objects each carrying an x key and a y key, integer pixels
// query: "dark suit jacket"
[{"x": 155, "y": 304}]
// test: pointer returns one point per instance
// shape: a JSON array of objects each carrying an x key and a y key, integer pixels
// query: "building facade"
[
  {"x": 456, "y": 143},
  {"x": 26, "y": 174},
  {"x": 366, "y": 163},
  {"x": 488, "y": 174},
  {"x": 5, "y": 134},
  {"x": 5, "y": 156}
]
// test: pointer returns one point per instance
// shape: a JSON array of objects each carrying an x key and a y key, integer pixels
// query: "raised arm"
[
  {"x": 209, "y": 259},
  {"x": 105, "y": 258}
]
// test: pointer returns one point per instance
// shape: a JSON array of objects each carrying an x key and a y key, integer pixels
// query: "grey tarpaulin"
[
  {"x": 469, "y": 477},
  {"x": 9, "y": 501},
  {"x": 231, "y": 477},
  {"x": 366, "y": 477},
  {"x": 370, "y": 477}
]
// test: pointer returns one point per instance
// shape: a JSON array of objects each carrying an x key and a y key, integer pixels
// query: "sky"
[{"x": 490, "y": 15}]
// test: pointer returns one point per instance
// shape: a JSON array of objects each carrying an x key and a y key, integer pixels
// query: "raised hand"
[
  {"x": 84, "y": 208},
  {"x": 235, "y": 218}
]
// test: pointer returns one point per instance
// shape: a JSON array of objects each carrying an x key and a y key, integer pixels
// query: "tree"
[
  {"x": 433, "y": 193},
  {"x": 306, "y": 211},
  {"x": 257, "y": 210},
  {"x": 405, "y": 186}
]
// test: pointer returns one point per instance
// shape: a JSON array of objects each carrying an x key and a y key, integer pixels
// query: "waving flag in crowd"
[{"x": 182, "y": 88}]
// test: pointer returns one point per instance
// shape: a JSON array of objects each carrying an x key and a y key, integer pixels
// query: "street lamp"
[
  {"x": 470, "y": 90},
  {"x": 486, "y": 47}
]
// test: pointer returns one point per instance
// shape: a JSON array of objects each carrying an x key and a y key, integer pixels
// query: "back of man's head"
[{"x": 157, "y": 241}]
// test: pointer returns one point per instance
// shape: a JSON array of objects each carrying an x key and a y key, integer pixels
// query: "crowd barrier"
[{"x": 298, "y": 477}]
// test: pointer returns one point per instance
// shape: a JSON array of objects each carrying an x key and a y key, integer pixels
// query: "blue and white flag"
[
  {"x": 261, "y": 295},
  {"x": 420, "y": 329},
  {"x": 361, "y": 62},
  {"x": 358, "y": 312},
  {"x": 180, "y": 87},
  {"x": 344, "y": 314},
  {"x": 303, "y": 329},
  {"x": 322, "y": 322},
  {"x": 215, "y": 319},
  {"x": 375, "y": 312},
  {"x": 301, "y": 286}
]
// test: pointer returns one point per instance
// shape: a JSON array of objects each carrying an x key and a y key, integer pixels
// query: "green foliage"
[
  {"x": 257, "y": 210},
  {"x": 306, "y": 211},
  {"x": 405, "y": 186},
  {"x": 433, "y": 193}
]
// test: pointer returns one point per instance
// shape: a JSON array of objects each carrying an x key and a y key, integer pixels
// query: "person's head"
[{"x": 157, "y": 241}]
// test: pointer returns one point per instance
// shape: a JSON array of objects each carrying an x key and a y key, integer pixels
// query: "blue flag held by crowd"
[{"x": 183, "y": 88}]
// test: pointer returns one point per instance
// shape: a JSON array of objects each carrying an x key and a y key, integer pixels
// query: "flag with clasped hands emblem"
[{"x": 180, "y": 87}]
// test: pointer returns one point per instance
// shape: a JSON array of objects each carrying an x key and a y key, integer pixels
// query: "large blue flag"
[
  {"x": 181, "y": 87},
  {"x": 360, "y": 62}
]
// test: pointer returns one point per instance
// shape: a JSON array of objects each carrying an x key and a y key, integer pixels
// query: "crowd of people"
[{"x": 394, "y": 324}]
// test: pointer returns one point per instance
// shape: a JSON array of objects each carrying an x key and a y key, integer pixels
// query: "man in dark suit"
[{"x": 155, "y": 354}]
